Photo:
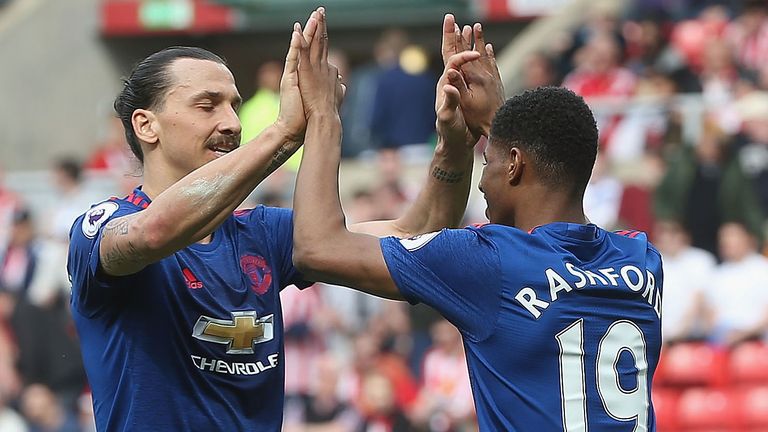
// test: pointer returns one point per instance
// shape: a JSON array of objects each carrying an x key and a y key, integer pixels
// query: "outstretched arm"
[
  {"x": 324, "y": 250},
  {"x": 443, "y": 198},
  {"x": 468, "y": 95},
  {"x": 193, "y": 207}
]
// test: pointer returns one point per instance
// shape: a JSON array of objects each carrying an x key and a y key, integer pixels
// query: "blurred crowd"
[{"x": 680, "y": 91}]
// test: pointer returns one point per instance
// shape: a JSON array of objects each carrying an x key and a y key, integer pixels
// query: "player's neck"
[
  {"x": 547, "y": 211},
  {"x": 156, "y": 181}
]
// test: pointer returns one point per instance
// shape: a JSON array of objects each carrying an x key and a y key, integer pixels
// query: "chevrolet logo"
[{"x": 240, "y": 334}]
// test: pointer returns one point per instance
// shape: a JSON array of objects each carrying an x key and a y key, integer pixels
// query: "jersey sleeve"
[
  {"x": 91, "y": 288},
  {"x": 456, "y": 272},
  {"x": 277, "y": 223}
]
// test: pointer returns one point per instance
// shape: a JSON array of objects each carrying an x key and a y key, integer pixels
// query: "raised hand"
[
  {"x": 483, "y": 93},
  {"x": 319, "y": 81},
  {"x": 291, "y": 118},
  {"x": 451, "y": 125}
]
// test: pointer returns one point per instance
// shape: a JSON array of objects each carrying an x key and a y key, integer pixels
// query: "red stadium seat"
[
  {"x": 665, "y": 406},
  {"x": 693, "y": 364},
  {"x": 749, "y": 363},
  {"x": 708, "y": 409},
  {"x": 754, "y": 407}
]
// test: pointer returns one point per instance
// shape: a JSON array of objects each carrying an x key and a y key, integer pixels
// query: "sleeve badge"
[
  {"x": 96, "y": 216},
  {"x": 417, "y": 242}
]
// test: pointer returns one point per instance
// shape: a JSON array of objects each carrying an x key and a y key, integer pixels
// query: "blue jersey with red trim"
[
  {"x": 193, "y": 341},
  {"x": 561, "y": 326}
]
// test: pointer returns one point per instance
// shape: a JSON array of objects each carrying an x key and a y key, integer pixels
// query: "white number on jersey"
[{"x": 620, "y": 404}]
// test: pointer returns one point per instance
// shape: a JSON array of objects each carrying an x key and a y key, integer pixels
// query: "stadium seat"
[
  {"x": 749, "y": 363},
  {"x": 693, "y": 364},
  {"x": 754, "y": 407},
  {"x": 708, "y": 409},
  {"x": 665, "y": 406}
]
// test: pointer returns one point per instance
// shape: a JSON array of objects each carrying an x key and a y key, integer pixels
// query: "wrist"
[
  {"x": 455, "y": 152},
  {"x": 324, "y": 115},
  {"x": 285, "y": 133},
  {"x": 324, "y": 119}
]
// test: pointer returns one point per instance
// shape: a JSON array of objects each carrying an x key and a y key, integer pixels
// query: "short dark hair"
[
  {"x": 70, "y": 167},
  {"x": 556, "y": 128},
  {"x": 148, "y": 84}
]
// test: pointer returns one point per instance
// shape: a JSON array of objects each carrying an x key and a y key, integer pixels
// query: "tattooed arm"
[
  {"x": 441, "y": 201},
  {"x": 192, "y": 208}
]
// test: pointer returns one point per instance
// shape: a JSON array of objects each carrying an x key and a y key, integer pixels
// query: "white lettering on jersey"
[
  {"x": 633, "y": 278},
  {"x": 527, "y": 298},
  {"x": 417, "y": 242},
  {"x": 235, "y": 368},
  {"x": 96, "y": 216},
  {"x": 556, "y": 283}
]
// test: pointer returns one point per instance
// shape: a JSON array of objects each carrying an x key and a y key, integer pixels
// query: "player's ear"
[
  {"x": 515, "y": 168},
  {"x": 145, "y": 126}
]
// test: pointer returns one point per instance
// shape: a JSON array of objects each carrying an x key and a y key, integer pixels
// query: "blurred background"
[{"x": 679, "y": 91}]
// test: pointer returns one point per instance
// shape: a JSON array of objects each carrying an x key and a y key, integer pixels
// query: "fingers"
[
  {"x": 466, "y": 38},
  {"x": 452, "y": 98},
  {"x": 292, "y": 58},
  {"x": 304, "y": 55},
  {"x": 479, "y": 39},
  {"x": 448, "y": 45},
  {"x": 311, "y": 27},
  {"x": 492, "y": 59},
  {"x": 319, "y": 44},
  {"x": 456, "y": 80},
  {"x": 456, "y": 61}
]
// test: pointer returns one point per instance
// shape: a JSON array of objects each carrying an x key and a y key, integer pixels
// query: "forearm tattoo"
[
  {"x": 120, "y": 253},
  {"x": 447, "y": 176},
  {"x": 281, "y": 155}
]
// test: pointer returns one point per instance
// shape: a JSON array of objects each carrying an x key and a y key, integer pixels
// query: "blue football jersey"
[
  {"x": 561, "y": 326},
  {"x": 193, "y": 341}
]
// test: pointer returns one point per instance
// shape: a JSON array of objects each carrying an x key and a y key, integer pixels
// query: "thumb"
[
  {"x": 292, "y": 58},
  {"x": 450, "y": 104},
  {"x": 456, "y": 80}
]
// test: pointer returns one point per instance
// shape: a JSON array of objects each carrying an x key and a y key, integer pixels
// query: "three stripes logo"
[{"x": 192, "y": 281}]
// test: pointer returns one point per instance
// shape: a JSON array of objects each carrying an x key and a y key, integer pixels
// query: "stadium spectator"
[
  {"x": 369, "y": 357},
  {"x": 602, "y": 198},
  {"x": 10, "y": 420},
  {"x": 380, "y": 411},
  {"x": 10, "y": 381},
  {"x": 737, "y": 296},
  {"x": 539, "y": 71},
  {"x": 9, "y": 203},
  {"x": 359, "y": 101},
  {"x": 84, "y": 413},
  {"x": 747, "y": 35},
  {"x": 45, "y": 412},
  {"x": 752, "y": 145},
  {"x": 17, "y": 265},
  {"x": 261, "y": 110},
  {"x": 445, "y": 396},
  {"x": 705, "y": 186},
  {"x": 304, "y": 341},
  {"x": 403, "y": 109},
  {"x": 599, "y": 75},
  {"x": 687, "y": 273},
  {"x": 110, "y": 155},
  {"x": 690, "y": 37},
  {"x": 321, "y": 409},
  {"x": 113, "y": 159}
]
